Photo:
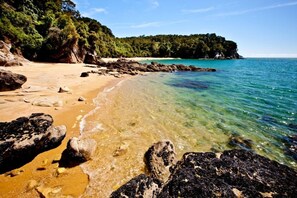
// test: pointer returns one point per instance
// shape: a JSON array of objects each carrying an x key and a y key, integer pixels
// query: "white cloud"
[
  {"x": 145, "y": 25},
  {"x": 154, "y": 3},
  {"x": 94, "y": 11},
  {"x": 258, "y": 9},
  {"x": 201, "y": 10}
]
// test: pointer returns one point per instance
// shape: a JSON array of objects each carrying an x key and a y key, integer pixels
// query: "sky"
[{"x": 261, "y": 28}]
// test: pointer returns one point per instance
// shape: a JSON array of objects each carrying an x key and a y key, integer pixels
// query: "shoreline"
[
  {"x": 45, "y": 79},
  {"x": 137, "y": 59}
]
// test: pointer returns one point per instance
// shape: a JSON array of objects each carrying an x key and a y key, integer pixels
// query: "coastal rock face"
[
  {"x": 77, "y": 152},
  {"x": 140, "y": 186},
  {"x": 234, "y": 173},
  {"x": 159, "y": 159},
  {"x": 11, "y": 81},
  {"x": 8, "y": 59},
  {"x": 24, "y": 138}
]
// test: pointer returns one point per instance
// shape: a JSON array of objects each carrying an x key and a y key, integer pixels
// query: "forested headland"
[{"x": 54, "y": 31}]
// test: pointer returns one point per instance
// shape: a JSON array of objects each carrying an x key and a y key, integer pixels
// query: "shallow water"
[{"x": 252, "y": 98}]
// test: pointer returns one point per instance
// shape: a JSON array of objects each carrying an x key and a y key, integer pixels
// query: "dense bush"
[{"x": 39, "y": 28}]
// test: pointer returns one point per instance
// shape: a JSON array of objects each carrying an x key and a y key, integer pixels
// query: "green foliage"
[
  {"x": 193, "y": 46},
  {"x": 39, "y": 28}
]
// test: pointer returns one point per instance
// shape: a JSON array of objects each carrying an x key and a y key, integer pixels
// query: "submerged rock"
[
  {"x": 291, "y": 146},
  {"x": 24, "y": 138},
  {"x": 159, "y": 159},
  {"x": 234, "y": 173},
  {"x": 77, "y": 152},
  {"x": 239, "y": 142},
  {"x": 11, "y": 81}
]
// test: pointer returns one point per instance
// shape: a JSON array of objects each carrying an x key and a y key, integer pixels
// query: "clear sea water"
[{"x": 255, "y": 99}]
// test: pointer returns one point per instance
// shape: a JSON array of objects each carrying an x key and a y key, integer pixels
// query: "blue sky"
[{"x": 261, "y": 28}]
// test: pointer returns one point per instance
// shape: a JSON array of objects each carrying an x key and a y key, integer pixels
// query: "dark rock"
[
  {"x": 140, "y": 186},
  {"x": 159, "y": 159},
  {"x": 291, "y": 146},
  {"x": 24, "y": 138},
  {"x": 234, "y": 172},
  {"x": 11, "y": 81},
  {"x": 124, "y": 66},
  {"x": 77, "y": 152},
  {"x": 92, "y": 59},
  {"x": 236, "y": 141},
  {"x": 84, "y": 74}
]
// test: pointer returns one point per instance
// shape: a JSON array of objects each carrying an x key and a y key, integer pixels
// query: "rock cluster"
[
  {"x": 123, "y": 66},
  {"x": 11, "y": 81},
  {"x": 234, "y": 173},
  {"x": 24, "y": 138}
]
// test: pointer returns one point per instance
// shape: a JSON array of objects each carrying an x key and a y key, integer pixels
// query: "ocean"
[{"x": 253, "y": 100}]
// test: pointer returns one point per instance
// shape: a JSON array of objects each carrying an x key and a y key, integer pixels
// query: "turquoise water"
[{"x": 253, "y": 98}]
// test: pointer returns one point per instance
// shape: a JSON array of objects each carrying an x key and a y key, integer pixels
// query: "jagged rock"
[
  {"x": 24, "y": 138},
  {"x": 84, "y": 74},
  {"x": 234, "y": 173},
  {"x": 140, "y": 186},
  {"x": 64, "y": 90},
  {"x": 159, "y": 159},
  {"x": 77, "y": 152},
  {"x": 11, "y": 81},
  {"x": 211, "y": 175}
]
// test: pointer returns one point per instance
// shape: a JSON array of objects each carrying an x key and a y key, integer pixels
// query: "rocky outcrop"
[
  {"x": 92, "y": 58},
  {"x": 123, "y": 66},
  {"x": 8, "y": 59},
  {"x": 234, "y": 173},
  {"x": 159, "y": 159},
  {"x": 77, "y": 152},
  {"x": 24, "y": 138},
  {"x": 11, "y": 81}
]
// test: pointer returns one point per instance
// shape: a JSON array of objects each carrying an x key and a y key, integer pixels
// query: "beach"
[{"x": 44, "y": 81}]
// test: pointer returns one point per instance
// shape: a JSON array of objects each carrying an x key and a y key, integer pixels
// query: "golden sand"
[{"x": 44, "y": 80}]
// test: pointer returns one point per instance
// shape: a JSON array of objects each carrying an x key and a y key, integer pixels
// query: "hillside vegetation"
[{"x": 53, "y": 30}]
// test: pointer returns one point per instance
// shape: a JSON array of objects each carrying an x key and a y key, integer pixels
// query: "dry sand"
[{"x": 44, "y": 81}]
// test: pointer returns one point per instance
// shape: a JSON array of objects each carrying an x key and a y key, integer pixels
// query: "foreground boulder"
[
  {"x": 77, "y": 152},
  {"x": 159, "y": 159},
  {"x": 234, "y": 173},
  {"x": 11, "y": 81},
  {"x": 24, "y": 138}
]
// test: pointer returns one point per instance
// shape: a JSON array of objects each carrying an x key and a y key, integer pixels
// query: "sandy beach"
[{"x": 44, "y": 81}]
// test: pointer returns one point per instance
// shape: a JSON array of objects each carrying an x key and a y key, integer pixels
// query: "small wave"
[{"x": 102, "y": 96}]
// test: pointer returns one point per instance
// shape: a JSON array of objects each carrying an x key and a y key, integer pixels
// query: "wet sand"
[{"x": 44, "y": 81}]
